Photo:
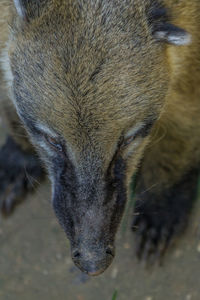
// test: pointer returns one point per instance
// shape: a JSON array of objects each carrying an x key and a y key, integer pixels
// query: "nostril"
[
  {"x": 93, "y": 260},
  {"x": 76, "y": 254},
  {"x": 110, "y": 251}
]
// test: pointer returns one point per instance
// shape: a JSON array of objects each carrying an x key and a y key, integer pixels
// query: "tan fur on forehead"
[
  {"x": 80, "y": 62},
  {"x": 101, "y": 69},
  {"x": 92, "y": 71}
]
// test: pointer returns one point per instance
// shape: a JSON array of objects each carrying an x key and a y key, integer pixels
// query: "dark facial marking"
[
  {"x": 121, "y": 196},
  {"x": 145, "y": 131},
  {"x": 157, "y": 14},
  {"x": 64, "y": 196}
]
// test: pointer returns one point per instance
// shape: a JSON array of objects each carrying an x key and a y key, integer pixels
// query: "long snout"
[
  {"x": 89, "y": 208},
  {"x": 94, "y": 259}
]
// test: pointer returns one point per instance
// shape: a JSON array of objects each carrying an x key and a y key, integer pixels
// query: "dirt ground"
[{"x": 35, "y": 261}]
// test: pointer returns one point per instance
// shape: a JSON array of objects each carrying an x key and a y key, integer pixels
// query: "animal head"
[{"x": 89, "y": 80}]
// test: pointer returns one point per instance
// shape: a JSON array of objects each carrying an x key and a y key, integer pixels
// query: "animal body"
[{"x": 104, "y": 89}]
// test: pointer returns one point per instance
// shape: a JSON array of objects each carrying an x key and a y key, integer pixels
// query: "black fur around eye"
[
  {"x": 145, "y": 130},
  {"x": 53, "y": 143}
]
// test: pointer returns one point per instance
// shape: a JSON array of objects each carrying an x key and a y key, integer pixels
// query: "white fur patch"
[
  {"x": 19, "y": 8},
  {"x": 134, "y": 130},
  {"x": 46, "y": 147},
  {"x": 135, "y": 143},
  {"x": 7, "y": 72},
  {"x": 180, "y": 40},
  {"x": 46, "y": 130},
  {"x": 5, "y": 64},
  {"x": 176, "y": 39}
]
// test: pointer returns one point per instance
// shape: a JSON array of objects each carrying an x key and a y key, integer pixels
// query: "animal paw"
[
  {"x": 19, "y": 171},
  {"x": 154, "y": 229},
  {"x": 160, "y": 218}
]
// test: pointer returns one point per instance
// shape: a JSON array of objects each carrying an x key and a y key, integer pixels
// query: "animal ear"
[
  {"x": 172, "y": 34},
  {"x": 28, "y": 9}
]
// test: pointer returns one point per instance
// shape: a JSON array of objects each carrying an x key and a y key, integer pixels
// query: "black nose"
[{"x": 93, "y": 262}]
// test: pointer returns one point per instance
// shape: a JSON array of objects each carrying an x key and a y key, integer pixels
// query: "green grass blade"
[{"x": 114, "y": 297}]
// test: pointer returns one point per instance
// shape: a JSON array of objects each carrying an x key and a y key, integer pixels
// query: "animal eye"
[
  {"x": 143, "y": 132},
  {"x": 53, "y": 143},
  {"x": 128, "y": 140}
]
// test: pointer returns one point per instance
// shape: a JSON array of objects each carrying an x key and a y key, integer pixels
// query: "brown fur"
[
  {"x": 91, "y": 71},
  {"x": 175, "y": 141}
]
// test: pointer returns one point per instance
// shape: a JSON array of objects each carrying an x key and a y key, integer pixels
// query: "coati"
[{"x": 104, "y": 89}]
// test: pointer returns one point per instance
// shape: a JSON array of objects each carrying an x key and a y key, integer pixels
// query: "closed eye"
[
  {"x": 142, "y": 132},
  {"x": 54, "y": 143},
  {"x": 40, "y": 132}
]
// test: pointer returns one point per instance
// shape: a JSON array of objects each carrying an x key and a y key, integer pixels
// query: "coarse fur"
[{"x": 105, "y": 89}]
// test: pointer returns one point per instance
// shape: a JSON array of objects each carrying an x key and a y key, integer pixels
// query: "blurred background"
[{"x": 35, "y": 260}]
